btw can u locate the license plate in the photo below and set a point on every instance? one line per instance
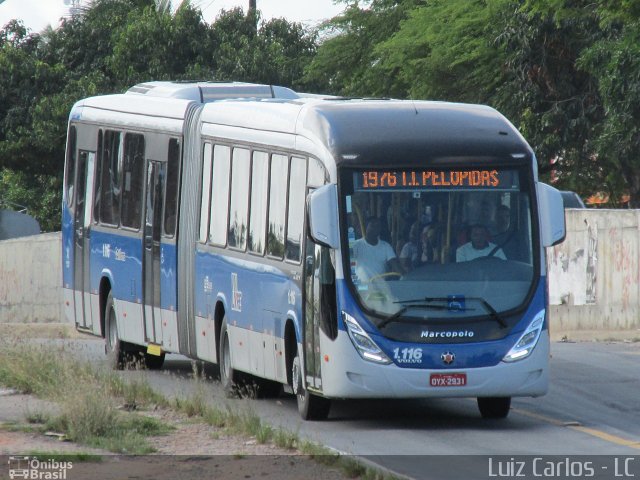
(448, 379)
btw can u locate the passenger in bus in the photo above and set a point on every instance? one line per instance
(409, 252)
(504, 233)
(430, 248)
(503, 222)
(479, 246)
(374, 257)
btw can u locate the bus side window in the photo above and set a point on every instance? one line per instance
(206, 192)
(71, 164)
(327, 284)
(277, 205)
(239, 207)
(133, 177)
(98, 180)
(110, 184)
(296, 208)
(317, 175)
(173, 181)
(259, 189)
(220, 195)
(321, 307)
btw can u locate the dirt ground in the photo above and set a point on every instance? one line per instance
(192, 450)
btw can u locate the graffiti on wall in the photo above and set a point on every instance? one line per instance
(624, 277)
(573, 269)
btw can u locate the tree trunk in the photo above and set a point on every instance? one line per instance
(252, 13)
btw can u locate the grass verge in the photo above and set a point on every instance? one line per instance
(243, 421)
(96, 408)
(94, 403)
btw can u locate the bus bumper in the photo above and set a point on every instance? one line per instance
(347, 375)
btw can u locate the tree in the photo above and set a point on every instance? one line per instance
(573, 75)
(447, 50)
(155, 44)
(108, 47)
(549, 97)
(348, 63)
(614, 62)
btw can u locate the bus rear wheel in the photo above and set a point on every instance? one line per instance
(494, 407)
(310, 406)
(229, 377)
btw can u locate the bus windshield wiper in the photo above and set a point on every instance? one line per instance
(395, 316)
(492, 311)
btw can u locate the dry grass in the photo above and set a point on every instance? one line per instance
(90, 398)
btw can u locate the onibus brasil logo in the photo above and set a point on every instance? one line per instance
(33, 468)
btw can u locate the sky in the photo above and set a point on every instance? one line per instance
(38, 14)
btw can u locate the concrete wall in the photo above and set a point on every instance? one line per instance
(594, 276)
(31, 279)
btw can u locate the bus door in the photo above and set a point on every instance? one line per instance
(151, 258)
(319, 309)
(82, 250)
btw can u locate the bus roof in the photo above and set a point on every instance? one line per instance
(172, 99)
(363, 131)
(204, 92)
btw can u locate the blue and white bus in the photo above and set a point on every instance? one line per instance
(339, 248)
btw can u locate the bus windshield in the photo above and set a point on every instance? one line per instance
(439, 244)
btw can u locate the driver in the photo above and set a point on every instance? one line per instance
(479, 246)
(373, 257)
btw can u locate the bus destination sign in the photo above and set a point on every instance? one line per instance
(436, 179)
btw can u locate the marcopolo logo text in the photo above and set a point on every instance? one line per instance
(447, 334)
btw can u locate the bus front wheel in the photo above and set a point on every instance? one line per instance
(494, 407)
(310, 406)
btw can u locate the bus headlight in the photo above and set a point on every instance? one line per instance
(528, 340)
(366, 347)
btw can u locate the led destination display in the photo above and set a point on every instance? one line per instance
(436, 179)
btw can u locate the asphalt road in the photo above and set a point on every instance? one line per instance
(593, 408)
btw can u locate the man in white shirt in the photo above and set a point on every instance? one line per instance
(479, 246)
(373, 257)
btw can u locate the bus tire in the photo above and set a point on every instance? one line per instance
(494, 407)
(229, 377)
(310, 406)
(117, 357)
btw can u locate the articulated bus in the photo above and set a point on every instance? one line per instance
(334, 248)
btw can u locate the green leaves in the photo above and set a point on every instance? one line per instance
(110, 46)
(566, 72)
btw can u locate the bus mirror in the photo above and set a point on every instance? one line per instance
(552, 222)
(323, 215)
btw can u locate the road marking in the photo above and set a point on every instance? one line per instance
(537, 416)
(574, 425)
(608, 437)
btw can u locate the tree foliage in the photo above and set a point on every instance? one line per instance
(110, 46)
(564, 71)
